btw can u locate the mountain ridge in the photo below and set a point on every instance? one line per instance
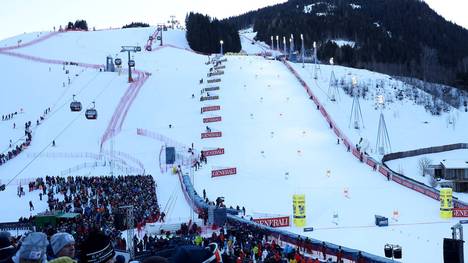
(398, 37)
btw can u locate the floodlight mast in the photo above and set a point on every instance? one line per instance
(277, 42)
(284, 46)
(129, 49)
(302, 50)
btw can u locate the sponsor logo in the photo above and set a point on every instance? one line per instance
(273, 222)
(209, 98)
(218, 151)
(212, 119)
(211, 108)
(211, 88)
(223, 172)
(211, 135)
(460, 212)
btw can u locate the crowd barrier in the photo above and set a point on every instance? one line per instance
(376, 165)
(66, 155)
(16, 226)
(162, 138)
(200, 206)
(118, 155)
(421, 151)
(126, 169)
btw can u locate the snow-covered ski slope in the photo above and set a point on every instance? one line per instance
(272, 134)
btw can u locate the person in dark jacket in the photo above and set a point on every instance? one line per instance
(7, 250)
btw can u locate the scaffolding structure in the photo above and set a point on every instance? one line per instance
(356, 114)
(333, 92)
(382, 145)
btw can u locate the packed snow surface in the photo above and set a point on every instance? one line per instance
(271, 132)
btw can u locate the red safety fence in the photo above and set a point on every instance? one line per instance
(30, 43)
(149, 43)
(120, 113)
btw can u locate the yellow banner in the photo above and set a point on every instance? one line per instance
(299, 213)
(446, 204)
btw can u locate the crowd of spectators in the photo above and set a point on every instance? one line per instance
(96, 200)
(236, 243)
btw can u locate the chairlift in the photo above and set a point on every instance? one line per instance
(75, 105)
(138, 49)
(91, 113)
(148, 48)
(131, 63)
(158, 37)
(118, 61)
(151, 38)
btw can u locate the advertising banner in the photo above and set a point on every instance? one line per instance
(210, 108)
(223, 172)
(282, 221)
(207, 135)
(299, 213)
(446, 204)
(212, 119)
(218, 151)
(460, 212)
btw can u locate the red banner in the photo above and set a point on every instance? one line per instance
(223, 172)
(206, 135)
(274, 221)
(218, 151)
(211, 108)
(212, 119)
(460, 212)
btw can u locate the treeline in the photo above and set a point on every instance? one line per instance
(399, 37)
(204, 34)
(136, 24)
(78, 25)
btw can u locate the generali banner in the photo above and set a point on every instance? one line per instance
(207, 135)
(212, 119)
(214, 80)
(211, 108)
(209, 98)
(218, 151)
(223, 172)
(460, 212)
(274, 221)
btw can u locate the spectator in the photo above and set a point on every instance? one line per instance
(33, 249)
(7, 250)
(119, 259)
(63, 245)
(155, 259)
(96, 248)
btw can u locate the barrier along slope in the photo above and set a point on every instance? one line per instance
(376, 165)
